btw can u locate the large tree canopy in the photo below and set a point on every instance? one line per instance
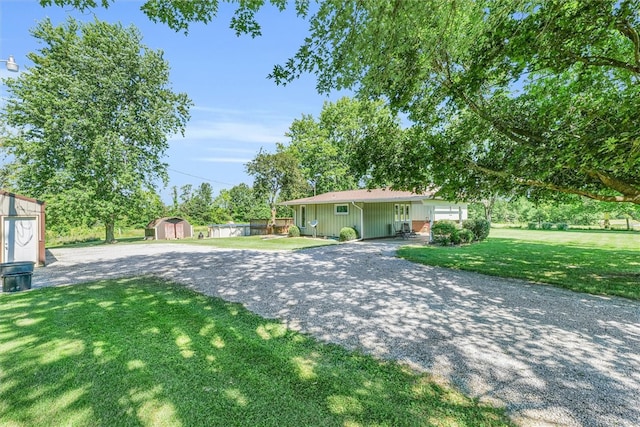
(534, 95)
(92, 118)
(537, 96)
(335, 150)
(276, 177)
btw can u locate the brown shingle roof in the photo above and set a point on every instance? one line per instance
(369, 196)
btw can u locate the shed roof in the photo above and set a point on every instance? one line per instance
(158, 221)
(21, 197)
(370, 196)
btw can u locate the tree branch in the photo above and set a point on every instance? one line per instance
(631, 194)
(628, 31)
(598, 61)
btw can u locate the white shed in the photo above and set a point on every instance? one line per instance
(22, 222)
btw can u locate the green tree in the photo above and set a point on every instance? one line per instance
(536, 96)
(241, 204)
(92, 115)
(276, 176)
(333, 150)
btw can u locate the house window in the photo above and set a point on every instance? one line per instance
(401, 213)
(341, 209)
(303, 216)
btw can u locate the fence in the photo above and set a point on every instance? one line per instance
(261, 227)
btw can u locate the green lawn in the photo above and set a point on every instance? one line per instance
(244, 242)
(142, 352)
(597, 262)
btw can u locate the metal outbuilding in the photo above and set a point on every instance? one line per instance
(168, 228)
(23, 229)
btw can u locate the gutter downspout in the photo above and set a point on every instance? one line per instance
(361, 221)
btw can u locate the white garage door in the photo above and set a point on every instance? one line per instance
(20, 239)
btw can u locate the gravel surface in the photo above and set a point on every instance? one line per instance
(550, 356)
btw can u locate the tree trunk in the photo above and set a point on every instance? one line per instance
(272, 224)
(488, 207)
(109, 232)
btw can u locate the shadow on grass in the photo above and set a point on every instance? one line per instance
(601, 271)
(146, 352)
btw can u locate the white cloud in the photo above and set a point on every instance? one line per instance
(233, 126)
(240, 131)
(223, 160)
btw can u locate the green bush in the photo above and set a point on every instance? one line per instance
(444, 232)
(465, 236)
(479, 227)
(348, 233)
(547, 226)
(294, 231)
(532, 225)
(563, 226)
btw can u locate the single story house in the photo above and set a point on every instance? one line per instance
(373, 213)
(23, 229)
(168, 228)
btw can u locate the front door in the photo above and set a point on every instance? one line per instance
(20, 239)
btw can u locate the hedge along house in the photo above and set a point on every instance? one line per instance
(23, 229)
(373, 213)
(168, 229)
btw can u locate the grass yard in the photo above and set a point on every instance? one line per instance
(244, 242)
(255, 242)
(596, 262)
(143, 352)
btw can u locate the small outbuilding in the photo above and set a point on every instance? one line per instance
(168, 228)
(23, 229)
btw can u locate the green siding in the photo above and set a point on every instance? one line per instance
(378, 217)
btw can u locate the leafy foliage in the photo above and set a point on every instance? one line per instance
(444, 232)
(92, 118)
(294, 231)
(465, 236)
(334, 150)
(534, 97)
(479, 227)
(576, 212)
(347, 234)
(276, 176)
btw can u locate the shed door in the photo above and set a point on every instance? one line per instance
(179, 230)
(169, 231)
(20, 239)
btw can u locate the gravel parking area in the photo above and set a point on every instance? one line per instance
(552, 357)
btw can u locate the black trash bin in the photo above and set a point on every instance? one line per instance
(16, 276)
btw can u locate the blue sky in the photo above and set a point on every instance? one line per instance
(237, 110)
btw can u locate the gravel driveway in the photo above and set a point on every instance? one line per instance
(552, 357)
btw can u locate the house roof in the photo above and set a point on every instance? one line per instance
(370, 196)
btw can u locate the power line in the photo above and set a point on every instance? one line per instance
(200, 177)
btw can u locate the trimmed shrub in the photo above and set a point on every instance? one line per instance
(532, 225)
(479, 227)
(563, 226)
(547, 225)
(294, 231)
(465, 236)
(348, 233)
(444, 232)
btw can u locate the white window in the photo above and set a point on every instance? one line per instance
(303, 216)
(341, 209)
(401, 213)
